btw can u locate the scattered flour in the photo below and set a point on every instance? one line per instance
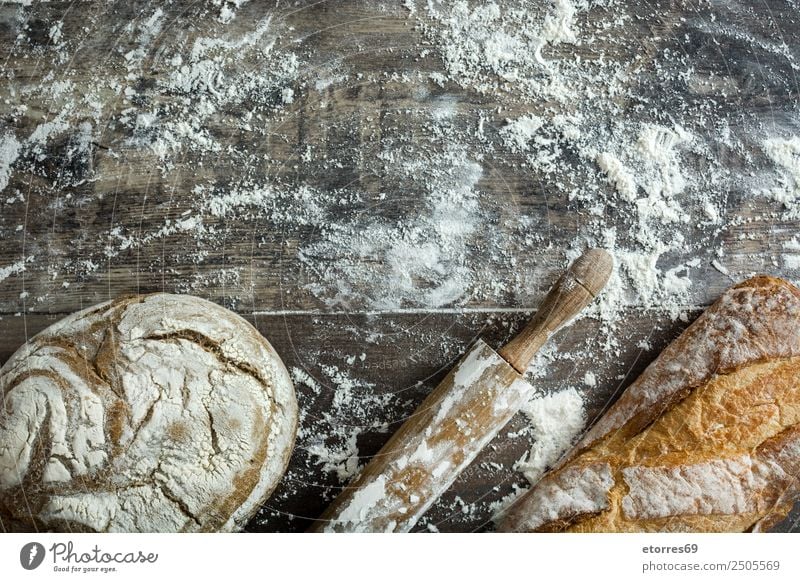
(519, 132)
(635, 176)
(331, 441)
(421, 258)
(489, 48)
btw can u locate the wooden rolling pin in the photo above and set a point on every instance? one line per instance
(453, 424)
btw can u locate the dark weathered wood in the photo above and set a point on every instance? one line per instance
(64, 207)
(122, 188)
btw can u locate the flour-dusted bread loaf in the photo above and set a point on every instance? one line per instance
(707, 439)
(148, 413)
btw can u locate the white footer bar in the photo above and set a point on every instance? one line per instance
(407, 558)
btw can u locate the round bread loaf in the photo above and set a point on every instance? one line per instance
(154, 413)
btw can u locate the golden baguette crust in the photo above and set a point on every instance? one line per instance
(706, 439)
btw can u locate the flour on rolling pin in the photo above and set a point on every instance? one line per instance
(395, 498)
(456, 421)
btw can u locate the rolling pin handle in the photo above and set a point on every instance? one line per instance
(573, 291)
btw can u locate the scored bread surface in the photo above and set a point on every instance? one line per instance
(706, 439)
(147, 413)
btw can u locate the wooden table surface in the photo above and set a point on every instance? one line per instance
(363, 83)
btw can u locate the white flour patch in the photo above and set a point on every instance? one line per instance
(785, 154)
(519, 132)
(618, 175)
(208, 81)
(512, 51)
(556, 421)
(13, 269)
(9, 151)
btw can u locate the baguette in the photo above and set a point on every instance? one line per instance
(707, 439)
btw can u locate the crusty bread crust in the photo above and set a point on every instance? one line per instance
(147, 413)
(706, 439)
